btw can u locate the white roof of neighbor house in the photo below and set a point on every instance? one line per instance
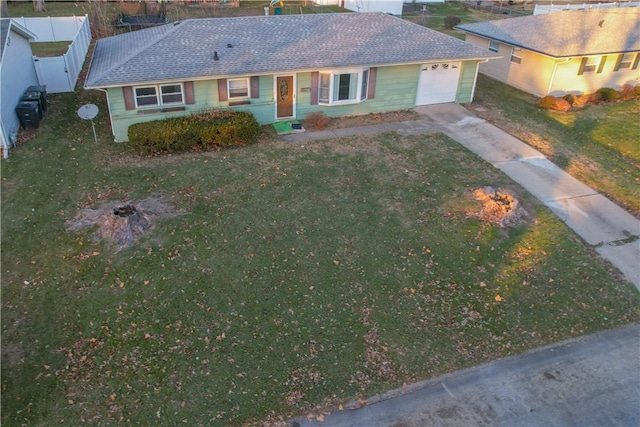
(567, 33)
(268, 44)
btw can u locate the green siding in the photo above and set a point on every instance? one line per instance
(467, 82)
(396, 89)
(206, 98)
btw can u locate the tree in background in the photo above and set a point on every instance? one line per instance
(39, 6)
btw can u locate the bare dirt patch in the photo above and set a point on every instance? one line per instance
(122, 224)
(499, 206)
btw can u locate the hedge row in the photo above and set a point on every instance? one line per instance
(605, 94)
(203, 131)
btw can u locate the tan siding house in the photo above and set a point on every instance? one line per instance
(564, 52)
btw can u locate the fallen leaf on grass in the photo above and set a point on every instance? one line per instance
(498, 298)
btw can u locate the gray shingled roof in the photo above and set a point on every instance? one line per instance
(567, 33)
(268, 44)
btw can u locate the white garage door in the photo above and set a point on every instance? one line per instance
(438, 83)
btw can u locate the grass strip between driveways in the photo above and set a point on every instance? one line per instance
(301, 276)
(598, 145)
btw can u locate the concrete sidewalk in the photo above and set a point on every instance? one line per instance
(586, 381)
(612, 231)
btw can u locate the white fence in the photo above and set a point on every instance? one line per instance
(542, 9)
(60, 73)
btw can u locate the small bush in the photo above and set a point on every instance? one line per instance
(571, 99)
(451, 21)
(576, 101)
(608, 94)
(628, 92)
(595, 97)
(317, 120)
(214, 129)
(553, 103)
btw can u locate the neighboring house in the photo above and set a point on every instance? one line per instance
(281, 67)
(564, 52)
(393, 7)
(17, 73)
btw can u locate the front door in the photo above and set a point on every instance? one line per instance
(284, 96)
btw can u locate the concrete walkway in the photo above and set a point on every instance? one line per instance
(612, 231)
(586, 381)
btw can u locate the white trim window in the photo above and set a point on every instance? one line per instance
(516, 56)
(147, 96)
(343, 87)
(238, 88)
(591, 64)
(626, 61)
(494, 46)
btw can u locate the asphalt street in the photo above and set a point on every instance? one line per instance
(587, 381)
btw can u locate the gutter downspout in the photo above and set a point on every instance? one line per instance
(553, 74)
(475, 78)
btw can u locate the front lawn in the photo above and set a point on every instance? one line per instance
(298, 276)
(597, 145)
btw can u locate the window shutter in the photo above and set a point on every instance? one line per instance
(222, 90)
(129, 101)
(371, 92)
(602, 61)
(188, 93)
(582, 65)
(618, 61)
(636, 61)
(315, 78)
(255, 86)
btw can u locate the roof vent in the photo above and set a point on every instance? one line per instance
(215, 55)
(229, 45)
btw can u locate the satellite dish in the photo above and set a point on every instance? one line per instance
(89, 112)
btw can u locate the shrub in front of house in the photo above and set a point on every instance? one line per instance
(553, 103)
(608, 94)
(628, 92)
(316, 120)
(210, 130)
(451, 21)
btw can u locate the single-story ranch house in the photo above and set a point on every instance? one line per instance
(281, 67)
(562, 52)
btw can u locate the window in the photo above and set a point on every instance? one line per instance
(626, 61)
(344, 87)
(515, 56)
(493, 46)
(590, 64)
(365, 85)
(171, 94)
(147, 96)
(238, 88)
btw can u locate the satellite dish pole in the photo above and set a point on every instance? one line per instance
(89, 112)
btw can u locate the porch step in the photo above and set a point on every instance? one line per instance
(287, 127)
